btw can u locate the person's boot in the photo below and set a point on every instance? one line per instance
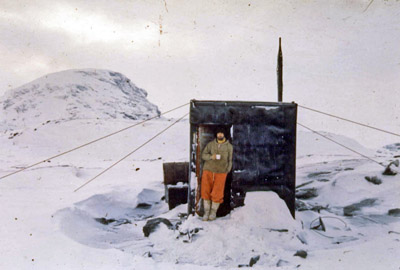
(207, 209)
(213, 212)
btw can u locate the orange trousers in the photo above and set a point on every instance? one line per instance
(212, 186)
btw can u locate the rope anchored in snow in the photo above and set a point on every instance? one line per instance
(131, 152)
(326, 137)
(91, 142)
(321, 225)
(351, 121)
(121, 130)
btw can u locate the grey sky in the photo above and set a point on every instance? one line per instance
(339, 56)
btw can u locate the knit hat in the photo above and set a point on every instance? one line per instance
(220, 130)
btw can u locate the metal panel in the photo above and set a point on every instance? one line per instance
(175, 172)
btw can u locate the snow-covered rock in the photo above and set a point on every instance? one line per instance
(74, 94)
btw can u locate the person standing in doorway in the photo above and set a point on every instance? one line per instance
(218, 163)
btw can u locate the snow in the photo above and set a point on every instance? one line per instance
(232, 240)
(74, 94)
(46, 225)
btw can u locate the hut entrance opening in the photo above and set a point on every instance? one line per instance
(207, 133)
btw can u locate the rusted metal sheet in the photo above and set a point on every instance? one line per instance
(175, 172)
(176, 195)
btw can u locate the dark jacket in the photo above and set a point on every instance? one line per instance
(223, 165)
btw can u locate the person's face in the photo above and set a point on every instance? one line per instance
(220, 136)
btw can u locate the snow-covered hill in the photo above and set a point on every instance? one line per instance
(74, 94)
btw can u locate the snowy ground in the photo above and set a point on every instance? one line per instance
(46, 225)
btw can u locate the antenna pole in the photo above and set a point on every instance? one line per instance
(279, 71)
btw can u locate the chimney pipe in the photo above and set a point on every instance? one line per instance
(279, 71)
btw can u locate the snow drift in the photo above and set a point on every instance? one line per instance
(45, 225)
(104, 220)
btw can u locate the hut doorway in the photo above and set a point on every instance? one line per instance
(206, 133)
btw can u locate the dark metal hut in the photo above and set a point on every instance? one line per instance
(263, 135)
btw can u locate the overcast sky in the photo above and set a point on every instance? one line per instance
(342, 57)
